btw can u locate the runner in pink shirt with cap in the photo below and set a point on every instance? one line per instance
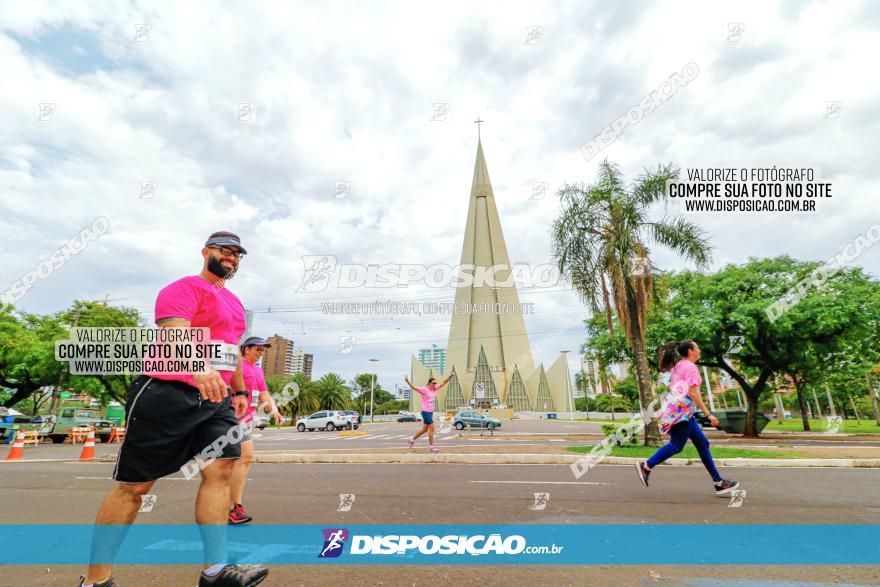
(172, 418)
(252, 351)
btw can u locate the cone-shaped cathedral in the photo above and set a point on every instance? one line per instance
(489, 352)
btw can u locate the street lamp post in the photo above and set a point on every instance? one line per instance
(372, 388)
(568, 387)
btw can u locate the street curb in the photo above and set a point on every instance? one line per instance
(97, 459)
(540, 459)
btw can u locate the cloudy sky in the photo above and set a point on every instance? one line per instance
(151, 94)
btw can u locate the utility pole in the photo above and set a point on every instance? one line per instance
(780, 408)
(372, 388)
(708, 389)
(816, 401)
(568, 387)
(584, 386)
(830, 402)
(873, 394)
(855, 410)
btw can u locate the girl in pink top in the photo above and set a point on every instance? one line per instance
(677, 414)
(428, 393)
(251, 351)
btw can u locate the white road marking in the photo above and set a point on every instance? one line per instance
(547, 482)
(162, 478)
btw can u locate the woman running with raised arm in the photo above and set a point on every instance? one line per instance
(677, 415)
(428, 393)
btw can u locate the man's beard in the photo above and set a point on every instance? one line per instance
(217, 269)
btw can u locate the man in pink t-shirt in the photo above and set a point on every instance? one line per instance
(252, 350)
(173, 417)
(429, 394)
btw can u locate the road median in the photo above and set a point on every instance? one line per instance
(534, 459)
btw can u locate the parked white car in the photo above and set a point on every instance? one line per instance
(326, 420)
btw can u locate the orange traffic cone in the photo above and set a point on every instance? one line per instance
(17, 451)
(88, 451)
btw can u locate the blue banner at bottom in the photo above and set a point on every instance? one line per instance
(298, 544)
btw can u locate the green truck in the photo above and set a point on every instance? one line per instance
(58, 426)
(69, 414)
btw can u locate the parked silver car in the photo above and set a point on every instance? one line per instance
(326, 420)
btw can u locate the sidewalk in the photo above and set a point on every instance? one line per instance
(711, 433)
(544, 454)
(485, 458)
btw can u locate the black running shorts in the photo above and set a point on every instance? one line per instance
(167, 425)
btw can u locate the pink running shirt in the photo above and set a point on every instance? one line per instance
(255, 383)
(205, 306)
(678, 405)
(428, 396)
(685, 370)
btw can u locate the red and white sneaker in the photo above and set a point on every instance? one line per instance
(237, 515)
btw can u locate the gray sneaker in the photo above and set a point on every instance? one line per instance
(108, 582)
(235, 576)
(644, 473)
(724, 488)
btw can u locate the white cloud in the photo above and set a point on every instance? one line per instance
(345, 91)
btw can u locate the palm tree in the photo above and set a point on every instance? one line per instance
(304, 402)
(600, 243)
(332, 392)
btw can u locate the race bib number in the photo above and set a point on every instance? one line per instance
(228, 359)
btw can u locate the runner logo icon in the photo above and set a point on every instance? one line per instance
(334, 541)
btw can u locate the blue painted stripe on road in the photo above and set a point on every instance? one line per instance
(624, 544)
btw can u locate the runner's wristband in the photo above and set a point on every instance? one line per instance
(238, 393)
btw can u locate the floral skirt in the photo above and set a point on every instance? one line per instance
(677, 407)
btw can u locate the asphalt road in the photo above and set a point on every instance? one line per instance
(448, 494)
(393, 434)
(378, 435)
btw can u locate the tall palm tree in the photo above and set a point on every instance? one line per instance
(332, 392)
(304, 402)
(600, 242)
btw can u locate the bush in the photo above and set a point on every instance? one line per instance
(610, 431)
(391, 407)
(584, 404)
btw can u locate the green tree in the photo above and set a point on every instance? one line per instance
(628, 390)
(27, 354)
(602, 346)
(304, 402)
(361, 392)
(600, 242)
(733, 302)
(92, 314)
(392, 407)
(605, 402)
(332, 392)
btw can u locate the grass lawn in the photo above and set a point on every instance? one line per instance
(868, 426)
(816, 425)
(690, 452)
